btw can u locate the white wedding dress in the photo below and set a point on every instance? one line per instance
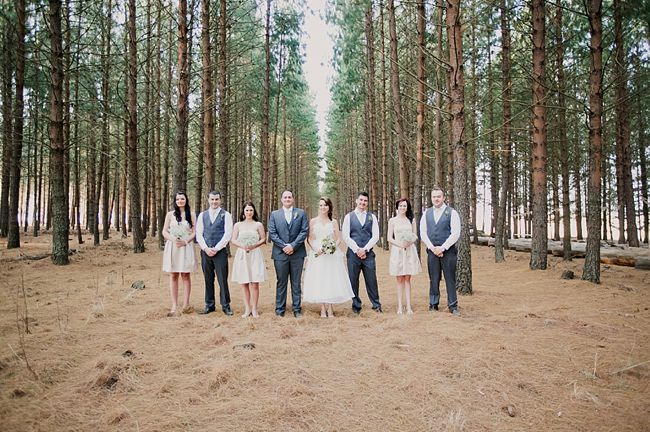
(326, 279)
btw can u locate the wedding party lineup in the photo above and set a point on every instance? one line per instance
(310, 246)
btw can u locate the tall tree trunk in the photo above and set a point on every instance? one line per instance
(106, 133)
(164, 193)
(182, 109)
(38, 148)
(207, 97)
(562, 136)
(539, 247)
(13, 235)
(471, 158)
(623, 129)
(591, 270)
(386, 207)
(224, 108)
(397, 103)
(457, 95)
(506, 146)
(642, 146)
(437, 131)
(91, 182)
(7, 78)
(421, 110)
(577, 176)
(31, 143)
(372, 107)
(264, 138)
(134, 183)
(38, 184)
(146, 135)
(57, 146)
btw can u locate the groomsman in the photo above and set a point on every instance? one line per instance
(288, 229)
(440, 230)
(360, 232)
(213, 232)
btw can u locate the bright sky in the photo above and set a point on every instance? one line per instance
(318, 68)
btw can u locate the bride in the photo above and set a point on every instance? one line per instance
(326, 280)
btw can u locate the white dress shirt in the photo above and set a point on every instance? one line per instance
(455, 227)
(227, 234)
(288, 214)
(345, 231)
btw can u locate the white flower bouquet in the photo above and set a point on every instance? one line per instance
(248, 238)
(328, 246)
(179, 231)
(405, 236)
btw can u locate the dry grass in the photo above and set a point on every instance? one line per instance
(531, 352)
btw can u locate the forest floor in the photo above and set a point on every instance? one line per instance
(531, 352)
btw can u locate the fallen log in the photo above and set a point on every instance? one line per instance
(642, 263)
(618, 260)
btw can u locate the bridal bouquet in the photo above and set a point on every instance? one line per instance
(405, 236)
(179, 231)
(248, 238)
(328, 246)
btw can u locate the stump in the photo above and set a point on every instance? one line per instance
(567, 274)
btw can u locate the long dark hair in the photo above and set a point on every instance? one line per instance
(328, 202)
(177, 210)
(242, 216)
(409, 208)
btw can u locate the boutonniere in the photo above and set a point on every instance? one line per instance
(295, 214)
(447, 212)
(220, 215)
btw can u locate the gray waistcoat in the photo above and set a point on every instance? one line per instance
(213, 232)
(439, 232)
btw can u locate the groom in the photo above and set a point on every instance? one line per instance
(213, 232)
(288, 229)
(360, 232)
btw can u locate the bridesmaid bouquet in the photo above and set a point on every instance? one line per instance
(178, 231)
(328, 246)
(406, 236)
(248, 238)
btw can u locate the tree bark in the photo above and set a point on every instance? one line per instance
(208, 98)
(539, 247)
(623, 132)
(385, 205)
(57, 146)
(642, 146)
(7, 78)
(437, 130)
(562, 136)
(182, 109)
(13, 234)
(457, 106)
(264, 138)
(106, 112)
(372, 107)
(224, 107)
(421, 110)
(397, 103)
(591, 270)
(134, 183)
(506, 146)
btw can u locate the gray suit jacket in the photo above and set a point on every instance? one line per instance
(294, 234)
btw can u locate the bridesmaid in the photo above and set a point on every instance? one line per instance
(248, 268)
(404, 261)
(178, 257)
